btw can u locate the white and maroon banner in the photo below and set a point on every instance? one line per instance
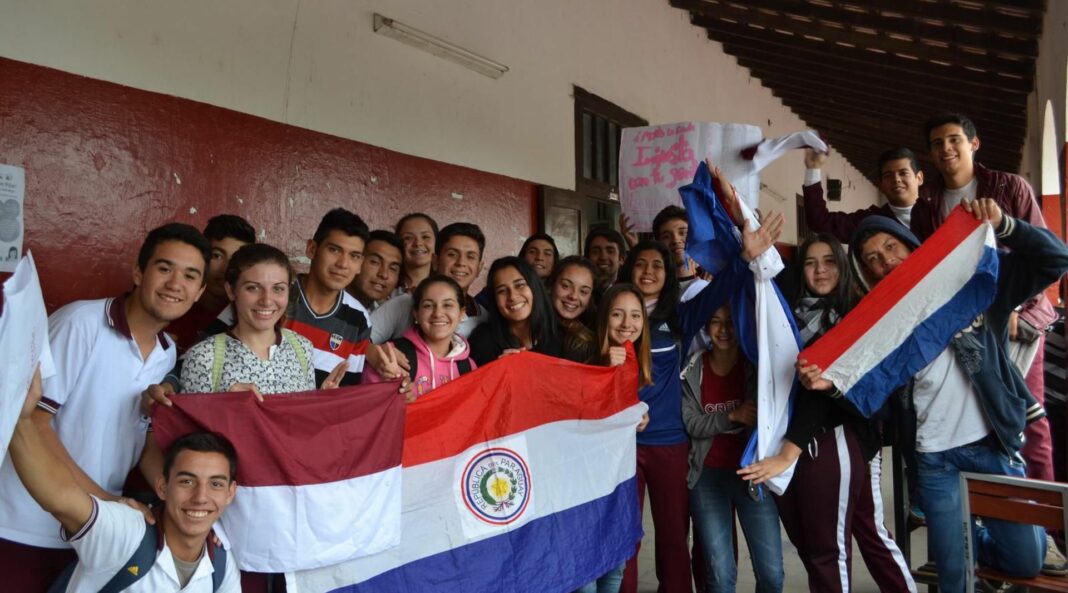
(319, 473)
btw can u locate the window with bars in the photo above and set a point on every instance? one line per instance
(598, 127)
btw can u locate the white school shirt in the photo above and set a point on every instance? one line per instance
(110, 537)
(95, 395)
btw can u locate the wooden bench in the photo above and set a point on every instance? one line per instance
(1018, 500)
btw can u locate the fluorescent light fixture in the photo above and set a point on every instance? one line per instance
(439, 47)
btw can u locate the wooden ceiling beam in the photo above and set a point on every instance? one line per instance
(857, 59)
(941, 13)
(1008, 14)
(832, 37)
(873, 76)
(918, 105)
(950, 32)
(998, 135)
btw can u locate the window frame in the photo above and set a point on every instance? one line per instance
(598, 107)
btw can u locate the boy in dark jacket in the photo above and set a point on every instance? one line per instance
(966, 410)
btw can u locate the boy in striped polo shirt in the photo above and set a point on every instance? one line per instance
(320, 308)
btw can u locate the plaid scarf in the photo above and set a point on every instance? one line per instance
(814, 317)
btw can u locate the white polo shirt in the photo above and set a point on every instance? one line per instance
(95, 396)
(110, 537)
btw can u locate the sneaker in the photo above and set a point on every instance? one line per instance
(1055, 563)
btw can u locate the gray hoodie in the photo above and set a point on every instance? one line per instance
(700, 426)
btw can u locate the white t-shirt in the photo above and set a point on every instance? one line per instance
(390, 320)
(952, 197)
(95, 396)
(948, 411)
(109, 539)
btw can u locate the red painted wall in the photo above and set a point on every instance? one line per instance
(1053, 213)
(106, 163)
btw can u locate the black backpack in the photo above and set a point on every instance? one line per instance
(142, 560)
(407, 348)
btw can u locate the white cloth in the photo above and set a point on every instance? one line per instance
(777, 350)
(772, 148)
(98, 383)
(812, 176)
(109, 539)
(948, 412)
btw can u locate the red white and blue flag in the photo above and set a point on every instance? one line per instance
(909, 318)
(319, 473)
(517, 477)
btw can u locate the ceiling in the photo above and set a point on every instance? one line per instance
(867, 73)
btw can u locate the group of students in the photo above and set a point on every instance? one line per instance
(220, 311)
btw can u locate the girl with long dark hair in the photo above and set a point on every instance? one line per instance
(521, 317)
(622, 319)
(571, 292)
(835, 494)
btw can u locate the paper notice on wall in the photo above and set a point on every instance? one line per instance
(655, 161)
(12, 190)
(23, 343)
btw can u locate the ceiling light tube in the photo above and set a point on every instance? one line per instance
(439, 47)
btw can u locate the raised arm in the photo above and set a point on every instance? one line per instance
(48, 480)
(817, 216)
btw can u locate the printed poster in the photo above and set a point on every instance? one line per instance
(12, 230)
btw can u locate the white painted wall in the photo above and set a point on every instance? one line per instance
(1050, 81)
(318, 65)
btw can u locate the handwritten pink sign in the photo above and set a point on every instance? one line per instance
(655, 161)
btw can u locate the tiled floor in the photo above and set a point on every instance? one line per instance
(796, 578)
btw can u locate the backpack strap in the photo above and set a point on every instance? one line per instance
(407, 348)
(138, 565)
(142, 560)
(464, 366)
(291, 337)
(218, 565)
(217, 361)
(60, 584)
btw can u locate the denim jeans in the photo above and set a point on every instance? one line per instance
(1011, 548)
(711, 500)
(609, 583)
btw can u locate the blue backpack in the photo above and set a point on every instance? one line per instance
(142, 560)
